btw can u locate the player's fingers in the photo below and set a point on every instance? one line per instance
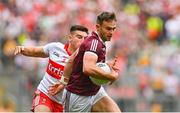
(61, 86)
(50, 92)
(115, 67)
(17, 50)
(114, 61)
(53, 92)
(110, 64)
(22, 48)
(51, 88)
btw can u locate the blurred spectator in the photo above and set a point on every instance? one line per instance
(171, 82)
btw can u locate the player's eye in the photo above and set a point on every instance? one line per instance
(109, 29)
(79, 37)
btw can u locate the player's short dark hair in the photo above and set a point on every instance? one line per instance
(105, 16)
(79, 28)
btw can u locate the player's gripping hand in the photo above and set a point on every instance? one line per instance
(114, 69)
(55, 89)
(113, 64)
(18, 50)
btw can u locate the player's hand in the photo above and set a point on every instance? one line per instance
(18, 49)
(114, 69)
(113, 64)
(115, 75)
(55, 89)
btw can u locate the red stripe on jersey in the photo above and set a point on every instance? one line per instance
(54, 69)
(66, 48)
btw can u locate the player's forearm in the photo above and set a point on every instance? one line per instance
(67, 72)
(69, 65)
(68, 69)
(96, 72)
(33, 52)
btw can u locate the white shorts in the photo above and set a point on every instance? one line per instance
(77, 103)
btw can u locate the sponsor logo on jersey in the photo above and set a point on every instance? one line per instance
(54, 69)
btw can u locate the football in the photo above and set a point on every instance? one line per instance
(99, 82)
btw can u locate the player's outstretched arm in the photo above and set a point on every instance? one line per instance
(30, 51)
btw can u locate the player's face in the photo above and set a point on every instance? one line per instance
(107, 29)
(76, 38)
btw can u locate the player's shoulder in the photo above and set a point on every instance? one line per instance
(90, 39)
(56, 44)
(92, 44)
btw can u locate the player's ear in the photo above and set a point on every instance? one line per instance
(97, 27)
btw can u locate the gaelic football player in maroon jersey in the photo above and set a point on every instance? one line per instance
(80, 94)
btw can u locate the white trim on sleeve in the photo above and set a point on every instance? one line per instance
(94, 44)
(89, 52)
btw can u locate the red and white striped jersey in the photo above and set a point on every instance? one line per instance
(58, 56)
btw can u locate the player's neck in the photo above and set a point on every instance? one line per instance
(100, 37)
(71, 49)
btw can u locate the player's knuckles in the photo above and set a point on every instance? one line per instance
(15, 49)
(18, 50)
(115, 68)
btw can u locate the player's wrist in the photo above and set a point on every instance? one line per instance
(64, 80)
(22, 49)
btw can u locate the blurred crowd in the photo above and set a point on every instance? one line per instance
(146, 42)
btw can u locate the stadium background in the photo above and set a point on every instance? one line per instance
(147, 41)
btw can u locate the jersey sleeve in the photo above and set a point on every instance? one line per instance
(93, 46)
(48, 47)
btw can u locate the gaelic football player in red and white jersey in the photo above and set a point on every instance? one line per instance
(58, 54)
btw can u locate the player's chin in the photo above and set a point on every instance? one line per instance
(108, 38)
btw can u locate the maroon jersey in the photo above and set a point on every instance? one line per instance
(79, 83)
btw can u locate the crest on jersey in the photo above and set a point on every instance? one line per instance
(56, 54)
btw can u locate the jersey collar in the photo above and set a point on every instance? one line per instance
(96, 34)
(66, 48)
